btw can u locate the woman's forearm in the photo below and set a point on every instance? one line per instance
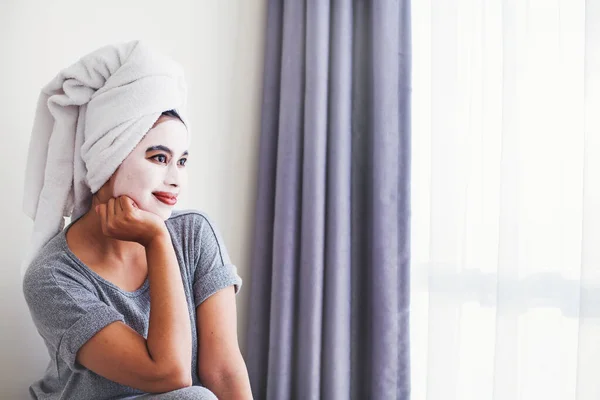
(169, 332)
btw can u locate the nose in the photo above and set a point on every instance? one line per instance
(173, 176)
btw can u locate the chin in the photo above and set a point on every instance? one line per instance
(163, 212)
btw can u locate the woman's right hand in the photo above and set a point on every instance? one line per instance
(122, 219)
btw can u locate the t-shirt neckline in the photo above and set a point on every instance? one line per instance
(95, 275)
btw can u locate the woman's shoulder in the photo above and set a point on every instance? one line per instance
(52, 255)
(189, 220)
(196, 229)
(51, 267)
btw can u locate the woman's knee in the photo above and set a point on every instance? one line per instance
(190, 393)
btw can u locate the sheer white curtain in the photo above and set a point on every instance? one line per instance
(505, 301)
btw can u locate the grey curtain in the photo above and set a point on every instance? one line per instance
(329, 290)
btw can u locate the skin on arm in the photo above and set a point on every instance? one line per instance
(221, 367)
(162, 362)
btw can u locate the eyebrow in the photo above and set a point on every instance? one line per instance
(165, 149)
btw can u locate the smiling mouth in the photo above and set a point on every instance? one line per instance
(166, 199)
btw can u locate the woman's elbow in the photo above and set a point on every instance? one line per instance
(217, 378)
(179, 378)
(175, 378)
(181, 381)
(231, 376)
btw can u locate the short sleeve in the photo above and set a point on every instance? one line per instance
(214, 270)
(65, 312)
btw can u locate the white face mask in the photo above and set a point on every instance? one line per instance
(150, 173)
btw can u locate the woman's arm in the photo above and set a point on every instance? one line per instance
(221, 367)
(169, 329)
(162, 362)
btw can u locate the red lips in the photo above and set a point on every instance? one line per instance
(166, 197)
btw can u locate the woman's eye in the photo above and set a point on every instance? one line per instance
(182, 161)
(161, 158)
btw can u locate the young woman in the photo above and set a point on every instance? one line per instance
(133, 299)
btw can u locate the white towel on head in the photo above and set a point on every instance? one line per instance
(88, 119)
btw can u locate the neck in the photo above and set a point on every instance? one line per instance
(119, 252)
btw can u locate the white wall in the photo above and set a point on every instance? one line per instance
(220, 45)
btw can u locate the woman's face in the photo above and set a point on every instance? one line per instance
(155, 173)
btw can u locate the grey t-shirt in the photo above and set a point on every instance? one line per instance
(70, 303)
